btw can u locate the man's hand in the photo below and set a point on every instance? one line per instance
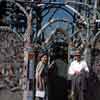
(51, 65)
(77, 73)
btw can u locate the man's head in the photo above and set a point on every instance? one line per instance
(77, 55)
(44, 58)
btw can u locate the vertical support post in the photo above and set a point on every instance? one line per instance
(25, 74)
(30, 75)
(28, 62)
(27, 95)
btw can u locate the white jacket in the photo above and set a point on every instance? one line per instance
(77, 67)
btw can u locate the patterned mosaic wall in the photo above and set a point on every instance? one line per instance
(11, 47)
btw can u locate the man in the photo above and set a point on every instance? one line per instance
(77, 65)
(57, 83)
(77, 71)
(40, 76)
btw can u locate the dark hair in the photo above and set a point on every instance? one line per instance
(43, 54)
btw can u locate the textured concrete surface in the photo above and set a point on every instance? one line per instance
(6, 94)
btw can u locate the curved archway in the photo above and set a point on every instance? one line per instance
(70, 10)
(95, 38)
(92, 10)
(14, 23)
(52, 4)
(53, 21)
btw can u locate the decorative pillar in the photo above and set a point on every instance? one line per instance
(29, 67)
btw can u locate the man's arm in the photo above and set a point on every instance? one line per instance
(86, 67)
(70, 70)
(51, 65)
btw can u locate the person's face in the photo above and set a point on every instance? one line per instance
(44, 59)
(77, 57)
